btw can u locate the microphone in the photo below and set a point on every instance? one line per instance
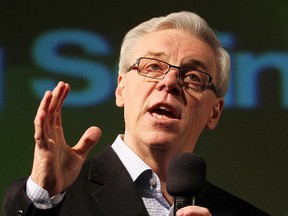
(186, 179)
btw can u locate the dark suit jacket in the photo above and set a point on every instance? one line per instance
(104, 187)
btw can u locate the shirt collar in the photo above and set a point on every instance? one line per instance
(132, 162)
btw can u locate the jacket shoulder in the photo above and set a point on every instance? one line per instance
(224, 203)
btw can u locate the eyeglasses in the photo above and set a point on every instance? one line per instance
(190, 78)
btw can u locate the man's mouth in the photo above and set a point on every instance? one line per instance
(164, 112)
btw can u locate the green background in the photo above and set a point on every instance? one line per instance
(246, 154)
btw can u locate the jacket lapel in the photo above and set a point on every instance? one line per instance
(116, 193)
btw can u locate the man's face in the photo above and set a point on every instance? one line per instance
(160, 114)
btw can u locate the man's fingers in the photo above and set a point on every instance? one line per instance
(57, 96)
(39, 129)
(87, 141)
(45, 103)
(39, 121)
(193, 210)
(61, 93)
(49, 113)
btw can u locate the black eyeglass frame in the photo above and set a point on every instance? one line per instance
(210, 85)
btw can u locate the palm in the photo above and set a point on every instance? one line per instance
(56, 165)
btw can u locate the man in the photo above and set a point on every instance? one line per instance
(173, 75)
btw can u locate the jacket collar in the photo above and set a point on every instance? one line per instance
(116, 191)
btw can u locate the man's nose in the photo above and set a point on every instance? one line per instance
(170, 82)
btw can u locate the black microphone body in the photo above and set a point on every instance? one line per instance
(186, 179)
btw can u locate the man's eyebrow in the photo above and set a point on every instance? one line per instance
(196, 63)
(189, 63)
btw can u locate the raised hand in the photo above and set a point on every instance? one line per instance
(56, 165)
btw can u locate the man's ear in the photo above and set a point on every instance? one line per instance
(215, 113)
(119, 90)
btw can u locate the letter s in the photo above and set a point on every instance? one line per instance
(100, 83)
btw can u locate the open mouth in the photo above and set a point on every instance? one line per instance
(163, 112)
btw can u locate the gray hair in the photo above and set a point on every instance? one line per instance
(189, 22)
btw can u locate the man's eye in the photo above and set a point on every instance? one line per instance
(154, 67)
(194, 77)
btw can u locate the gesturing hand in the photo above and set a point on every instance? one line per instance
(56, 165)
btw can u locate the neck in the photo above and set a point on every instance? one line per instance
(169, 198)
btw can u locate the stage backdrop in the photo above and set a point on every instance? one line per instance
(42, 42)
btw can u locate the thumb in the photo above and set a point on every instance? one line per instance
(87, 141)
